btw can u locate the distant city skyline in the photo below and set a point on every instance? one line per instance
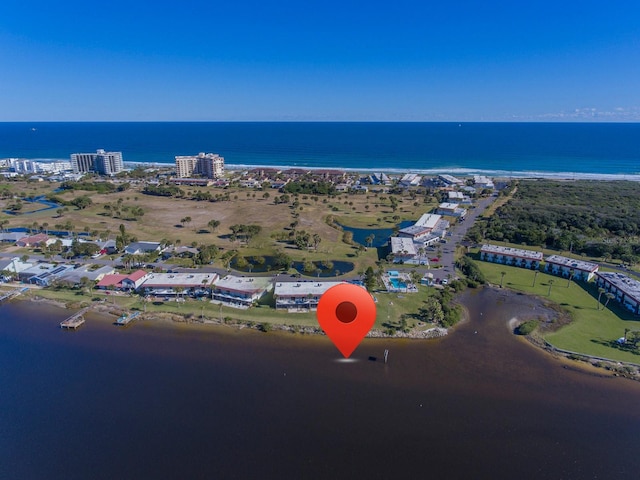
(319, 61)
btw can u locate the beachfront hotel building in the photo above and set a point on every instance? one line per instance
(516, 257)
(300, 296)
(241, 292)
(208, 165)
(101, 162)
(625, 289)
(564, 266)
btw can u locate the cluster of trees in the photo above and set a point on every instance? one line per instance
(99, 187)
(125, 212)
(163, 191)
(82, 202)
(600, 219)
(439, 309)
(471, 270)
(304, 240)
(310, 187)
(244, 232)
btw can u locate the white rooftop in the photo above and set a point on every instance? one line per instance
(629, 286)
(513, 252)
(188, 280)
(290, 289)
(572, 263)
(244, 284)
(402, 246)
(448, 206)
(428, 220)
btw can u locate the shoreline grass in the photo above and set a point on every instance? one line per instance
(592, 331)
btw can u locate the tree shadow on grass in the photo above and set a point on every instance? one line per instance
(623, 347)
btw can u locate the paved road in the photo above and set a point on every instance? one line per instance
(455, 235)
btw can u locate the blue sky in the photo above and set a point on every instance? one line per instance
(319, 60)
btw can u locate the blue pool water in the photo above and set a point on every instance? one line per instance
(397, 283)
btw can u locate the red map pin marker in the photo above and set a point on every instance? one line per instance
(346, 313)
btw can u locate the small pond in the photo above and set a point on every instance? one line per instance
(256, 265)
(381, 234)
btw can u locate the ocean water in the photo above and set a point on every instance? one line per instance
(581, 150)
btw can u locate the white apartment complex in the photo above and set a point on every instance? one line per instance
(209, 165)
(104, 163)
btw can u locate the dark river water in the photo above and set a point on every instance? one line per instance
(172, 401)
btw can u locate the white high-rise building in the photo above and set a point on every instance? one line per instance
(209, 165)
(104, 163)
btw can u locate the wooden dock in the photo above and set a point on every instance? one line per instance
(75, 320)
(125, 319)
(12, 294)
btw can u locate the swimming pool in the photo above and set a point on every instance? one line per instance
(397, 283)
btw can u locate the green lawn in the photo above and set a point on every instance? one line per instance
(389, 307)
(593, 331)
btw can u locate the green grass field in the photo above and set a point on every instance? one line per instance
(593, 331)
(389, 307)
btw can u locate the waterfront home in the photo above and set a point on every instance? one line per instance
(565, 267)
(511, 256)
(450, 180)
(74, 277)
(481, 181)
(134, 280)
(625, 289)
(410, 180)
(295, 173)
(300, 296)
(330, 175)
(111, 282)
(14, 265)
(177, 283)
(46, 273)
(241, 292)
(264, 172)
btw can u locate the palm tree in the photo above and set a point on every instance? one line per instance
(502, 274)
(370, 239)
(571, 274)
(550, 285)
(609, 296)
(600, 292)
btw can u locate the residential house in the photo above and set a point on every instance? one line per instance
(141, 248)
(36, 240)
(133, 281)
